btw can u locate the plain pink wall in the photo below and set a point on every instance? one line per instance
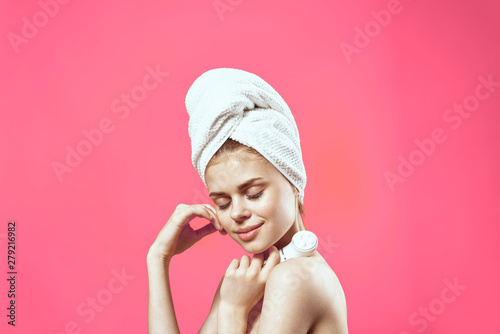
(362, 101)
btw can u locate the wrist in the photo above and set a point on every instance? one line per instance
(156, 257)
(230, 309)
(231, 319)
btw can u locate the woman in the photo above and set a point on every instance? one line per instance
(246, 149)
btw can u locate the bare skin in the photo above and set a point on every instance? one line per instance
(175, 237)
(300, 295)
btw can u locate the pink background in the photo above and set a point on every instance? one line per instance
(394, 248)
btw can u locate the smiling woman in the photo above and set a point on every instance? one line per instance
(231, 149)
(246, 149)
(252, 195)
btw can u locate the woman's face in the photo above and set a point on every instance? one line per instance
(255, 203)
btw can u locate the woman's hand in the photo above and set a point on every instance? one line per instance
(244, 282)
(177, 235)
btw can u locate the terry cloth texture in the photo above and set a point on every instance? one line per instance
(227, 103)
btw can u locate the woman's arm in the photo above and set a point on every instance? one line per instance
(280, 306)
(174, 238)
(232, 320)
(242, 288)
(210, 324)
(291, 299)
(299, 294)
(161, 313)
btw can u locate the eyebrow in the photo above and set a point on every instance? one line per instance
(240, 187)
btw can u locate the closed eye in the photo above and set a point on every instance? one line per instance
(223, 207)
(257, 195)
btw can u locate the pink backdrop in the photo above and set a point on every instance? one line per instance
(397, 104)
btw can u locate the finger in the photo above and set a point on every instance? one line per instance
(266, 253)
(194, 211)
(257, 260)
(272, 260)
(211, 216)
(210, 207)
(205, 230)
(233, 265)
(213, 213)
(244, 262)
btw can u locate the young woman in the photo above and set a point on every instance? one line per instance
(258, 203)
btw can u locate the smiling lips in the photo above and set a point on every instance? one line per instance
(248, 233)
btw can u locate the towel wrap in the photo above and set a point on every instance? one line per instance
(227, 103)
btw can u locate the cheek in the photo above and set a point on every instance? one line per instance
(226, 221)
(286, 210)
(278, 209)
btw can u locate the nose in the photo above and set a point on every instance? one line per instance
(239, 211)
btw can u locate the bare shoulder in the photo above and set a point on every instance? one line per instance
(306, 274)
(308, 286)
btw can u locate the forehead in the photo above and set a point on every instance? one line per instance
(233, 172)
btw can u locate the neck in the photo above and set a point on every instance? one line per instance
(287, 238)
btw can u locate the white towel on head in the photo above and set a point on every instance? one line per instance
(227, 103)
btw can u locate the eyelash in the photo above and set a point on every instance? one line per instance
(249, 197)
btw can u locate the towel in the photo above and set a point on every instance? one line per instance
(227, 103)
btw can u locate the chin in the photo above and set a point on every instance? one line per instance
(255, 247)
